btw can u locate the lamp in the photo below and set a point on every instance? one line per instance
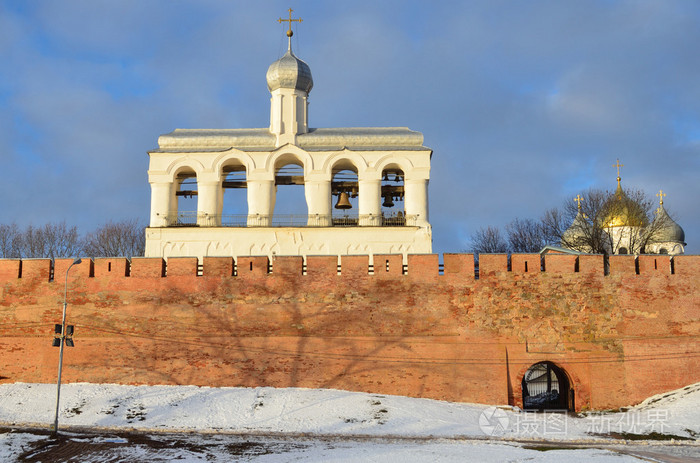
(62, 341)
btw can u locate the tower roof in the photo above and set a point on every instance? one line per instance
(620, 210)
(668, 230)
(289, 72)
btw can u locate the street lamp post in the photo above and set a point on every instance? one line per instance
(63, 341)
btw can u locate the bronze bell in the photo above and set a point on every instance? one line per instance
(388, 201)
(343, 201)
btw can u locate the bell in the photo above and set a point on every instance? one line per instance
(388, 201)
(343, 201)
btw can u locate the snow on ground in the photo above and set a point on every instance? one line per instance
(323, 412)
(326, 411)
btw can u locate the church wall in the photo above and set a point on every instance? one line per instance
(430, 332)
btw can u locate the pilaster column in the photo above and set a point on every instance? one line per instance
(208, 204)
(416, 202)
(318, 202)
(161, 193)
(261, 202)
(370, 208)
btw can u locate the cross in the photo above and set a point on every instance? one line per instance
(290, 21)
(618, 165)
(661, 195)
(578, 200)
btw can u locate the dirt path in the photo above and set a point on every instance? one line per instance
(113, 446)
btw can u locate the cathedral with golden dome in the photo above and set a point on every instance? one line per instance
(619, 224)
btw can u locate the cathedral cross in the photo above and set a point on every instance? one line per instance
(290, 21)
(661, 195)
(618, 165)
(578, 200)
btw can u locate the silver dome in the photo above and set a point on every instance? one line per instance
(668, 230)
(289, 72)
(576, 233)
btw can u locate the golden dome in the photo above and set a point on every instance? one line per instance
(621, 211)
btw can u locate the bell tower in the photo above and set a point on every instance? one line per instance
(377, 177)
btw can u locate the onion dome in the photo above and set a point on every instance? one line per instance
(622, 211)
(289, 72)
(666, 229)
(576, 233)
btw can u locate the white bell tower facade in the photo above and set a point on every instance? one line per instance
(383, 170)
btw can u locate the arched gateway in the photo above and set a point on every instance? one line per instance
(546, 387)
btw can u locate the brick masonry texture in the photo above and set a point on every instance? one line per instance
(423, 332)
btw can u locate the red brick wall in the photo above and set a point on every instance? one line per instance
(620, 337)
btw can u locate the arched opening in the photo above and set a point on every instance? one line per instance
(289, 208)
(663, 251)
(234, 191)
(546, 387)
(345, 195)
(185, 211)
(392, 196)
(622, 251)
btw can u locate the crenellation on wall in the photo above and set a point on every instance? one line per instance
(110, 267)
(560, 263)
(289, 266)
(217, 266)
(85, 269)
(423, 267)
(654, 264)
(36, 269)
(353, 267)
(459, 266)
(10, 269)
(147, 267)
(590, 265)
(623, 265)
(530, 264)
(388, 266)
(252, 266)
(492, 265)
(181, 267)
(321, 267)
(686, 265)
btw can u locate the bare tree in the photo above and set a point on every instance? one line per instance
(488, 240)
(577, 228)
(525, 235)
(50, 241)
(116, 239)
(605, 222)
(10, 241)
(602, 222)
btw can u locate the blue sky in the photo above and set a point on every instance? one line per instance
(525, 104)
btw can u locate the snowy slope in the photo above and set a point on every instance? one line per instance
(330, 412)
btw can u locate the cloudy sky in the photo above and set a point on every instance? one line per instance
(525, 104)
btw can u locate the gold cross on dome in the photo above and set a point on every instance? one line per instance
(618, 165)
(578, 200)
(290, 21)
(661, 195)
